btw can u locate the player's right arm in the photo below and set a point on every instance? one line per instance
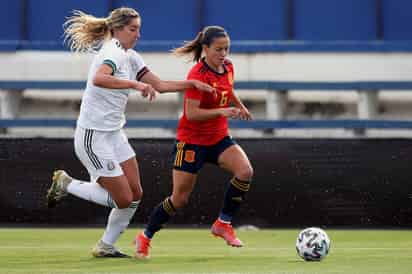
(104, 78)
(195, 113)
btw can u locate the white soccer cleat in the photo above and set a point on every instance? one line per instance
(103, 250)
(58, 188)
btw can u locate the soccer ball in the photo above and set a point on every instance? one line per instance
(312, 244)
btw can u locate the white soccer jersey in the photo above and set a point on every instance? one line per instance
(102, 108)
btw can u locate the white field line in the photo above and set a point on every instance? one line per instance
(75, 271)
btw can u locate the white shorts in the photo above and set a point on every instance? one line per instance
(101, 152)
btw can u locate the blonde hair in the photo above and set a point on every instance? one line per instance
(204, 37)
(84, 32)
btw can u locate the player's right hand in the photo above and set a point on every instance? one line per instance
(204, 87)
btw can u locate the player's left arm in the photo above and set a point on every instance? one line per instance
(174, 86)
(244, 112)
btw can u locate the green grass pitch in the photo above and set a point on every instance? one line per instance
(196, 251)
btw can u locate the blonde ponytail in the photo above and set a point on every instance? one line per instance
(84, 32)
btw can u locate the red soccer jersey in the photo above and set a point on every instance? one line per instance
(210, 131)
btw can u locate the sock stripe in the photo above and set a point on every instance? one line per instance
(241, 185)
(110, 201)
(134, 204)
(168, 207)
(242, 181)
(171, 205)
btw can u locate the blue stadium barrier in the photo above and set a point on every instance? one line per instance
(238, 46)
(237, 124)
(266, 85)
(372, 86)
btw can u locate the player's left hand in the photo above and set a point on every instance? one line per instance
(149, 92)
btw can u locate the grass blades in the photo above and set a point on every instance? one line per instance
(61, 251)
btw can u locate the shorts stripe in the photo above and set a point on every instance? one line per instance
(88, 147)
(179, 154)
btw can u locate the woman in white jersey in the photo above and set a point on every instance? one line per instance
(100, 143)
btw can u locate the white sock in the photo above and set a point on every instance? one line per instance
(118, 221)
(91, 192)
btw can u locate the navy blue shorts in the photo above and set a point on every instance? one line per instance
(190, 158)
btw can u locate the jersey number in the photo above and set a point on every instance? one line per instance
(224, 98)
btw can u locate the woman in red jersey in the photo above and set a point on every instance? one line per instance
(203, 137)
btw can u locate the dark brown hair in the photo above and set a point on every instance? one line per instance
(205, 37)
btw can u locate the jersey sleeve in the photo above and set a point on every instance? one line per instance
(113, 56)
(138, 65)
(231, 76)
(193, 93)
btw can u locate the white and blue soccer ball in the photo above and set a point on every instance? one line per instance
(312, 244)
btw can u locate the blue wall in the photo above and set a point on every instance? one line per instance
(335, 20)
(244, 21)
(33, 24)
(397, 17)
(11, 23)
(165, 20)
(45, 20)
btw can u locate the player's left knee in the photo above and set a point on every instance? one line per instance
(181, 202)
(124, 202)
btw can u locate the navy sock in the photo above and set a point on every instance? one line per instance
(160, 215)
(234, 196)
